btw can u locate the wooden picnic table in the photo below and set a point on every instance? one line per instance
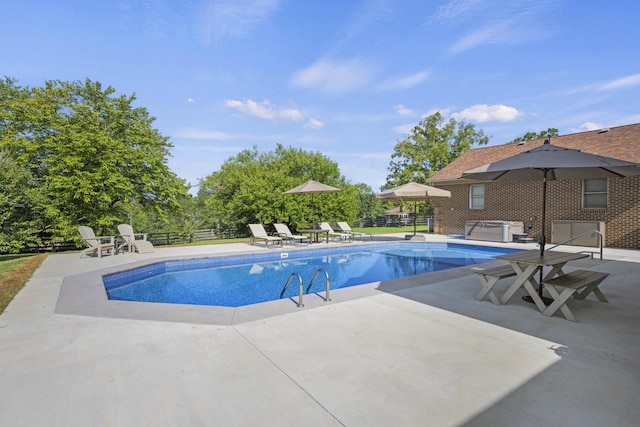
(527, 263)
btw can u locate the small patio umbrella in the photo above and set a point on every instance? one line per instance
(414, 192)
(312, 187)
(551, 162)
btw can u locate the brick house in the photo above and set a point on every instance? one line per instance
(612, 205)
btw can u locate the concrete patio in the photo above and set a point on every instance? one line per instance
(419, 351)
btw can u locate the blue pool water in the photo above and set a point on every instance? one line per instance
(235, 281)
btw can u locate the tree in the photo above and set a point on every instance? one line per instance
(249, 188)
(530, 136)
(91, 153)
(431, 146)
(369, 207)
(21, 203)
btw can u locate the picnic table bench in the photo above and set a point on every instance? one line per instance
(579, 284)
(489, 277)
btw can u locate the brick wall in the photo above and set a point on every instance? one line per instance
(522, 201)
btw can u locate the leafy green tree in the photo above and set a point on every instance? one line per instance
(530, 136)
(179, 223)
(91, 153)
(249, 188)
(369, 207)
(21, 203)
(431, 146)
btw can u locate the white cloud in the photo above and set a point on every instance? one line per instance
(619, 83)
(405, 82)
(628, 81)
(264, 110)
(454, 10)
(404, 129)
(314, 124)
(198, 134)
(590, 126)
(201, 134)
(495, 33)
(190, 100)
(488, 113)
(333, 77)
(600, 120)
(157, 17)
(444, 112)
(517, 22)
(220, 18)
(404, 111)
(370, 14)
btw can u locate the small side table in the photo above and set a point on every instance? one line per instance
(315, 232)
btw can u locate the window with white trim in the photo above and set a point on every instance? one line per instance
(594, 193)
(476, 196)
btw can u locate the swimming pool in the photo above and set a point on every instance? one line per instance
(236, 281)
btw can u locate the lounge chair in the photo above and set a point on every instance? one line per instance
(284, 232)
(129, 239)
(343, 237)
(259, 233)
(345, 228)
(97, 244)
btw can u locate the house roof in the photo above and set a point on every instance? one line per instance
(622, 142)
(396, 211)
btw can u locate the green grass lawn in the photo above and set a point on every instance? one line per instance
(15, 271)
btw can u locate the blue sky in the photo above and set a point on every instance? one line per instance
(346, 78)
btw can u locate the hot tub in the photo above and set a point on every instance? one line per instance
(492, 230)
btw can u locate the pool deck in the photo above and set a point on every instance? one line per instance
(418, 351)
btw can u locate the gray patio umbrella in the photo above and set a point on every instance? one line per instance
(414, 192)
(550, 162)
(311, 187)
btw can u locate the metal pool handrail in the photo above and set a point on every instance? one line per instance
(286, 285)
(315, 276)
(327, 282)
(600, 241)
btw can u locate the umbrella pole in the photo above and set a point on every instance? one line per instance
(542, 241)
(415, 206)
(313, 213)
(543, 238)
